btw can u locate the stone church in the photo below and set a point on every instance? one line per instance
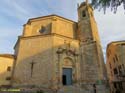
(54, 52)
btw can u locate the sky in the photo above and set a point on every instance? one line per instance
(15, 13)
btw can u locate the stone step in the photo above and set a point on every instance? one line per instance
(72, 89)
(76, 89)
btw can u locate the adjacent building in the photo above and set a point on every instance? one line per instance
(6, 64)
(116, 66)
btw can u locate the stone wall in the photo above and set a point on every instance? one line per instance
(36, 50)
(66, 44)
(5, 69)
(52, 24)
(42, 50)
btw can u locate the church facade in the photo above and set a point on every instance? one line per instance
(54, 51)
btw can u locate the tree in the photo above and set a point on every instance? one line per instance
(104, 4)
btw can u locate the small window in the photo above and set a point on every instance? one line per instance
(115, 85)
(115, 71)
(8, 68)
(123, 66)
(120, 85)
(8, 78)
(83, 13)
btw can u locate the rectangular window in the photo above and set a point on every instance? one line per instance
(115, 86)
(115, 71)
(120, 85)
(8, 78)
(8, 68)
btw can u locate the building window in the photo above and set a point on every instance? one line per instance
(115, 85)
(115, 71)
(123, 66)
(83, 13)
(120, 85)
(43, 29)
(8, 78)
(8, 68)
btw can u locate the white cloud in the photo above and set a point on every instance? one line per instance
(111, 26)
(8, 38)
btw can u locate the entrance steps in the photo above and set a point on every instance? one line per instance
(72, 89)
(84, 89)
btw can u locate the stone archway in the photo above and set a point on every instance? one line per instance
(68, 62)
(67, 71)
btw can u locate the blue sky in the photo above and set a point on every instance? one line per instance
(15, 13)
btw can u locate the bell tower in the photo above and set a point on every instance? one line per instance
(92, 62)
(87, 28)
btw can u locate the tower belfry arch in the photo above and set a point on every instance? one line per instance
(89, 40)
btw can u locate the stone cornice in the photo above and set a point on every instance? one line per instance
(36, 36)
(49, 16)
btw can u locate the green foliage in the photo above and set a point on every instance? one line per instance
(103, 4)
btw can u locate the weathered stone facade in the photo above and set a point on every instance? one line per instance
(52, 46)
(6, 64)
(116, 66)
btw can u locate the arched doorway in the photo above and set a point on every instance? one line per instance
(67, 72)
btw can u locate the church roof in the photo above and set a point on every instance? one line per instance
(7, 55)
(32, 19)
